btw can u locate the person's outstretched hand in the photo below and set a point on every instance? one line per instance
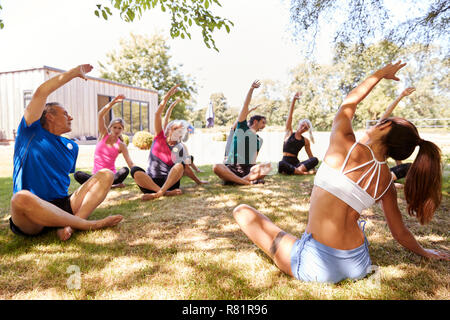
(256, 84)
(408, 91)
(83, 69)
(390, 70)
(436, 254)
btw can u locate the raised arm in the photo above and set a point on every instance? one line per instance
(244, 111)
(291, 112)
(162, 105)
(342, 121)
(400, 232)
(249, 111)
(102, 128)
(392, 106)
(169, 112)
(33, 111)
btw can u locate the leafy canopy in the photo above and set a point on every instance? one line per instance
(183, 13)
(402, 22)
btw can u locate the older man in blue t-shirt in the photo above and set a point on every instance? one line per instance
(43, 160)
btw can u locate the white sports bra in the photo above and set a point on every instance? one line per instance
(337, 183)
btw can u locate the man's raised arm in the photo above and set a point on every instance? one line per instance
(34, 110)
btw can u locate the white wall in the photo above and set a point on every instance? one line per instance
(78, 96)
(12, 87)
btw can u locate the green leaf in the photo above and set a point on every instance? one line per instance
(105, 16)
(96, 13)
(228, 28)
(130, 14)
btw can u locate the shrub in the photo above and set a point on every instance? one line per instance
(125, 139)
(220, 137)
(143, 140)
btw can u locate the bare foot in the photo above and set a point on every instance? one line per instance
(399, 185)
(110, 221)
(119, 185)
(175, 192)
(64, 233)
(152, 196)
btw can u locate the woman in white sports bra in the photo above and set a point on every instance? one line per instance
(351, 178)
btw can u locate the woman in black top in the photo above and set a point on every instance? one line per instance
(293, 143)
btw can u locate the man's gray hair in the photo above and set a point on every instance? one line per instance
(49, 108)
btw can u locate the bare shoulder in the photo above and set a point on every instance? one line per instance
(338, 149)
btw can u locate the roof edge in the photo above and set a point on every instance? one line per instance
(89, 77)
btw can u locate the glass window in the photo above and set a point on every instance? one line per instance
(117, 111)
(135, 116)
(27, 95)
(127, 115)
(144, 116)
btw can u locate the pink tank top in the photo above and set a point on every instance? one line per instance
(105, 156)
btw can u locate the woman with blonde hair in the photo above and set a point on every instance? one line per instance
(352, 177)
(109, 146)
(294, 142)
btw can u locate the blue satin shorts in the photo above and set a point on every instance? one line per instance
(314, 261)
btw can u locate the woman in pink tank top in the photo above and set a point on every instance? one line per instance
(109, 147)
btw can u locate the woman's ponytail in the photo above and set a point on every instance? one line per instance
(424, 182)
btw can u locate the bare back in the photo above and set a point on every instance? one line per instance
(332, 221)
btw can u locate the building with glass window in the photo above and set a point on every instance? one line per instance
(82, 99)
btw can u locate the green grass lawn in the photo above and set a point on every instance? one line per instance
(189, 247)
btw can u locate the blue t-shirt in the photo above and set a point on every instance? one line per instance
(43, 161)
(244, 147)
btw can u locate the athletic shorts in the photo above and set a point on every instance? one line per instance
(241, 170)
(159, 181)
(62, 203)
(316, 262)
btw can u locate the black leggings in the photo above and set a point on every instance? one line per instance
(288, 165)
(119, 176)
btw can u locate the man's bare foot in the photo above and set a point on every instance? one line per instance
(64, 233)
(119, 185)
(152, 196)
(399, 185)
(110, 221)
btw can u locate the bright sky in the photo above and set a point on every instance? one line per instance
(63, 34)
